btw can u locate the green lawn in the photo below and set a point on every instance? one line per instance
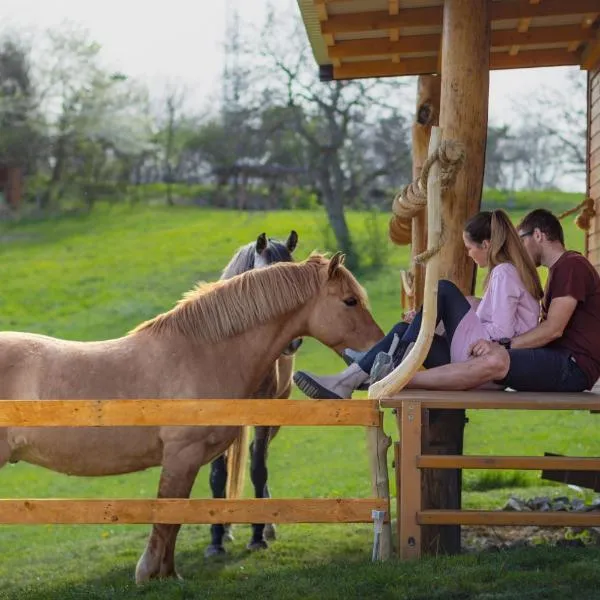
(96, 276)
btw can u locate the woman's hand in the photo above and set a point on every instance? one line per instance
(409, 316)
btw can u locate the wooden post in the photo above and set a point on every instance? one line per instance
(427, 115)
(378, 444)
(409, 424)
(463, 117)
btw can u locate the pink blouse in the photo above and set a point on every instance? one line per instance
(506, 310)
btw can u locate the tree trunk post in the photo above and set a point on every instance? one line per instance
(427, 115)
(463, 117)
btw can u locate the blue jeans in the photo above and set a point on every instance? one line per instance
(544, 370)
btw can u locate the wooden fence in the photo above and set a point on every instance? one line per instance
(412, 410)
(187, 412)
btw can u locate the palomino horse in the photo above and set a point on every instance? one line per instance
(229, 468)
(220, 341)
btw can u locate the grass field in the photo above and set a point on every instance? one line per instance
(95, 277)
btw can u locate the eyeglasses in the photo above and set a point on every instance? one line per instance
(525, 234)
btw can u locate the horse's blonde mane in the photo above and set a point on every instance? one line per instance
(214, 311)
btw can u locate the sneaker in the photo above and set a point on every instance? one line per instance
(350, 356)
(382, 367)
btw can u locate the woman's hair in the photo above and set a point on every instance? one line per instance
(505, 247)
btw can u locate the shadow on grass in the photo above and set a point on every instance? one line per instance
(533, 573)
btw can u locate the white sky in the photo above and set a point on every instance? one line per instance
(181, 41)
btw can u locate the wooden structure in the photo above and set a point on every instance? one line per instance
(412, 412)
(452, 45)
(129, 413)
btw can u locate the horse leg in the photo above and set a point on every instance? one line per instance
(179, 469)
(259, 474)
(5, 449)
(218, 484)
(270, 531)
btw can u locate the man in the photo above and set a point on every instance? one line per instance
(561, 354)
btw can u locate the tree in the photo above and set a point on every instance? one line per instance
(333, 118)
(553, 130)
(95, 116)
(21, 125)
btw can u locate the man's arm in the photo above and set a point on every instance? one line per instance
(559, 313)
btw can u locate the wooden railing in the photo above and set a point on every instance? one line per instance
(412, 413)
(186, 412)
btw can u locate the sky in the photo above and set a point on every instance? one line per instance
(181, 41)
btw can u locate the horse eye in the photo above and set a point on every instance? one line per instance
(351, 301)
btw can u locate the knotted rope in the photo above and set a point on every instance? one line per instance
(584, 218)
(413, 197)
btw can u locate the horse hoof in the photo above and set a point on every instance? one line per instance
(269, 532)
(212, 551)
(255, 546)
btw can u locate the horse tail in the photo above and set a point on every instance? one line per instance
(237, 457)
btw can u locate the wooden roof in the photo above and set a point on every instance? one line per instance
(378, 38)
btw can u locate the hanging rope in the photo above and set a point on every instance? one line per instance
(413, 197)
(584, 218)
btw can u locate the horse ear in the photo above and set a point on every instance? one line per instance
(292, 241)
(337, 260)
(261, 243)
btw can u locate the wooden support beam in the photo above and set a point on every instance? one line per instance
(525, 463)
(432, 16)
(409, 425)
(429, 64)
(153, 413)
(493, 518)
(590, 57)
(431, 43)
(393, 9)
(427, 115)
(188, 511)
(498, 400)
(463, 117)
(329, 38)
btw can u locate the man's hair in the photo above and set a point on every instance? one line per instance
(546, 222)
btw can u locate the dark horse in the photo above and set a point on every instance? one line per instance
(255, 255)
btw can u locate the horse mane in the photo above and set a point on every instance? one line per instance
(214, 311)
(241, 261)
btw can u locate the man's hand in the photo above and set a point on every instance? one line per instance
(482, 347)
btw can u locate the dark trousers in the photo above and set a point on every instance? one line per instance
(451, 310)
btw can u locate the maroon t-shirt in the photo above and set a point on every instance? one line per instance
(573, 275)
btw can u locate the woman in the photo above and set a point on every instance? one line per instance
(509, 307)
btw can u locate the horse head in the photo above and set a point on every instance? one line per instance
(341, 317)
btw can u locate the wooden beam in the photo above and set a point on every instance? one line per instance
(188, 511)
(409, 424)
(321, 9)
(152, 413)
(427, 114)
(432, 16)
(521, 463)
(532, 59)
(385, 68)
(429, 64)
(493, 518)
(497, 400)
(590, 57)
(431, 43)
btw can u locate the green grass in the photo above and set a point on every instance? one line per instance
(95, 277)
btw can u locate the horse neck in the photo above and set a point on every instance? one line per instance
(255, 351)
